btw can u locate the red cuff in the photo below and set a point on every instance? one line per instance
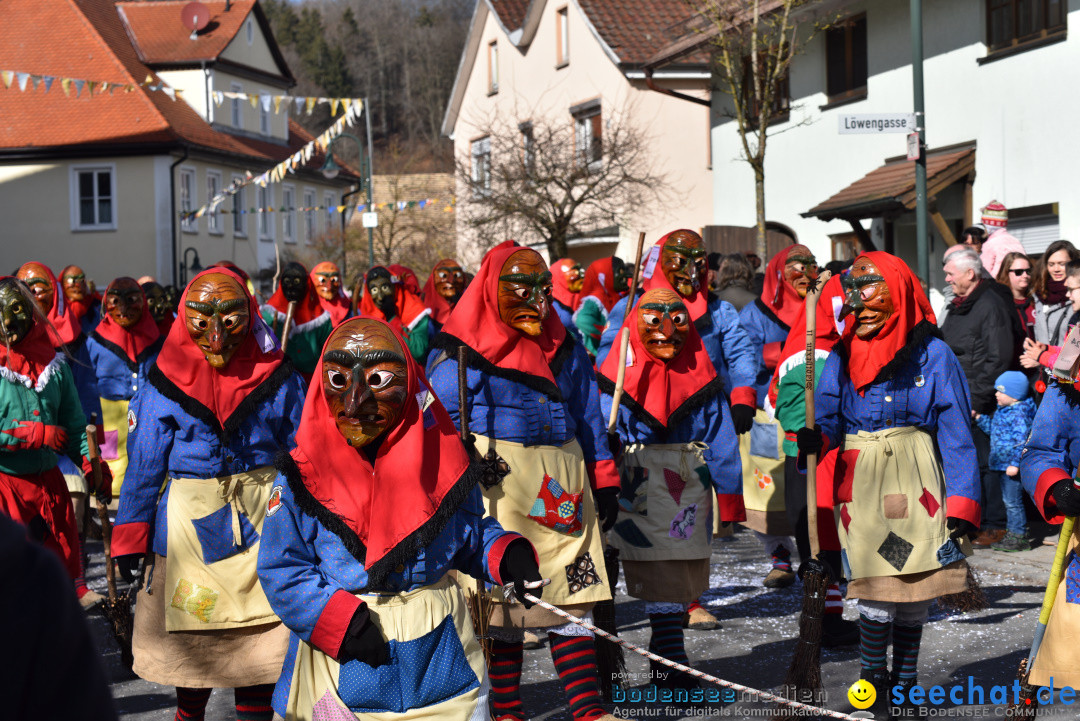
(965, 508)
(1044, 500)
(744, 396)
(1049, 356)
(603, 474)
(731, 506)
(771, 355)
(129, 538)
(330, 629)
(498, 549)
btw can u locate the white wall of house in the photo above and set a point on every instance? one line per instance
(533, 85)
(1020, 110)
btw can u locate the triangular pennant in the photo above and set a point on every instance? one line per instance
(90, 88)
(78, 86)
(47, 81)
(35, 81)
(169, 91)
(219, 98)
(7, 77)
(299, 104)
(265, 100)
(65, 84)
(149, 79)
(333, 106)
(277, 103)
(22, 78)
(254, 100)
(309, 103)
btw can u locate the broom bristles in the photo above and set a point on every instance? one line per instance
(1028, 703)
(803, 681)
(973, 598)
(122, 622)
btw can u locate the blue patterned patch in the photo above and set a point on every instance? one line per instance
(566, 509)
(1072, 578)
(538, 508)
(215, 534)
(421, 672)
(949, 552)
(555, 489)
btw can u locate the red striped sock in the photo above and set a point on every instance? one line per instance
(834, 602)
(253, 702)
(575, 662)
(693, 605)
(191, 703)
(505, 676)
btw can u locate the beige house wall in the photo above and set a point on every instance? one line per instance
(254, 54)
(532, 87)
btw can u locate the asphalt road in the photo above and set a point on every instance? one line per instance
(753, 648)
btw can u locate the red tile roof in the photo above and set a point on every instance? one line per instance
(892, 186)
(638, 29)
(159, 36)
(86, 39)
(511, 13)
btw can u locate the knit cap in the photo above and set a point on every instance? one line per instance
(1013, 384)
(994, 216)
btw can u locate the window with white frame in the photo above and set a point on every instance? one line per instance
(239, 217)
(93, 197)
(288, 211)
(213, 217)
(588, 132)
(265, 200)
(481, 166)
(264, 115)
(237, 111)
(331, 206)
(187, 200)
(309, 216)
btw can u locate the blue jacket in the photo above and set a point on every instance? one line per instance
(567, 317)
(929, 392)
(767, 335)
(309, 576)
(512, 411)
(117, 377)
(1008, 429)
(1052, 452)
(725, 340)
(173, 439)
(82, 370)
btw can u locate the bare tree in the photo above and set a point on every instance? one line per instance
(754, 43)
(553, 181)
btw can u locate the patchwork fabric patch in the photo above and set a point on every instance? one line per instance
(929, 502)
(493, 469)
(328, 709)
(1072, 578)
(682, 526)
(274, 504)
(949, 552)
(894, 505)
(632, 534)
(194, 599)
(895, 550)
(109, 447)
(764, 480)
(845, 517)
(704, 475)
(132, 422)
(581, 573)
(634, 494)
(556, 509)
(675, 484)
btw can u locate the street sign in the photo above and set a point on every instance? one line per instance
(877, 123)
(370, 220)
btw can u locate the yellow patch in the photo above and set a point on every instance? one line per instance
(194, 599)
(764, 480)
(862, 694)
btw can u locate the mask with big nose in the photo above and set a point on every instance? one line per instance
(364, 380)
(868, 298)
(124, 302)
(217, 317)
(525, 292)
(328, 280)
(37, 280)
(663, 323)
(684, 262)
(16, 312)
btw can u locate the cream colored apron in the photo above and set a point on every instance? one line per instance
(546, 498)
(894, 524)
(216, 516)
(436, 668)
(114, 419)
(762, 453)
(1059, 655)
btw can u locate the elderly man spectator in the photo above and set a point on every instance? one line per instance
(980, 329)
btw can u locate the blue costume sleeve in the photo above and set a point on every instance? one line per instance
(958, 458)
(1052, 452)
(742, 361)
(584, 406)
(149, 444)
(827, 400)
(616, 316)
(482, 545)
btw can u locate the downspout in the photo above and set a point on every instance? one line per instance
(172, 206)
(673, 93)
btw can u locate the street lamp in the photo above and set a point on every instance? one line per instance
(331, 170)
(195, 266)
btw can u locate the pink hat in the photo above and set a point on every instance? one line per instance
(995, 215)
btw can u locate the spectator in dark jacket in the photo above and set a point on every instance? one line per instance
(735, 280)
(981, 328)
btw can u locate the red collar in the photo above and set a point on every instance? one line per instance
(220, 391)
(386, 511)
(409, 307)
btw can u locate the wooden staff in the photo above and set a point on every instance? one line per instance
(811, 458)
(624, 339)
(463, 390)
(287, 326)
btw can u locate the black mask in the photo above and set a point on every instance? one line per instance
(16, 312)
(294, 280)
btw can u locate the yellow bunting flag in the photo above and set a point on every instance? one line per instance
(277, 103)
(65, 83)
(7, 76)
(309, 104)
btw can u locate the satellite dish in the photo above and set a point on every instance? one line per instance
(195, 17)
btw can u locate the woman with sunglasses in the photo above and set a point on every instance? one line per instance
(1015, 274)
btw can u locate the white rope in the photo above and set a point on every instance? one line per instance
(508, 591)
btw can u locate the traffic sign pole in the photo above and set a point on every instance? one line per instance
(920, 121)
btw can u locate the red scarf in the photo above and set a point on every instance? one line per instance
(440, 307)
(866, 358)
(220, 390)
(401, 503)
(338, 308)
(401, 275)
(476, 323)
(61, 315)
(132, 341)
(561, 291)
(30, 356)
(697, 303)
(779, 295)
(660, 388)
(600, 284)
(307, 310)
(826, 333)
(409, 306)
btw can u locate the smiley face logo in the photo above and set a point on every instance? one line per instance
(862, 694)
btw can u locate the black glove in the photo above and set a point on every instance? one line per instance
(128, 566)
(363, 641)
(810, 440)
(742, 417)
(607, 507)
(958, 527)
(615, 445)
(519, 565)
(1067, 497)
